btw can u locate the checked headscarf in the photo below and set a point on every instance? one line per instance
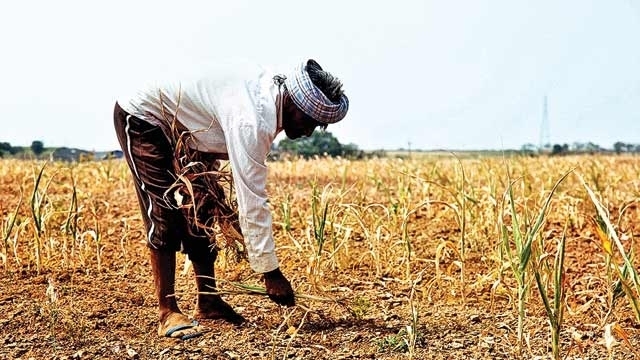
(311, 100)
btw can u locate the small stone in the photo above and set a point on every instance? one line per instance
(487, 342)
(132, 354)
(232, 355)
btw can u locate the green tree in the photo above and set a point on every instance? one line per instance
(619, 147)
(630, 147)
(351, 151)
(5, 147)
(37, 147)
(319, 143)
(558, 149)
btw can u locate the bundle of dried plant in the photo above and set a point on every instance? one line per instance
(203, 189)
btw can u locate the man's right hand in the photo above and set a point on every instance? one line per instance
(279, 288)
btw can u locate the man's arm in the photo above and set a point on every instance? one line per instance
(247, 146)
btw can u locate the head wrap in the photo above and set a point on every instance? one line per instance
(311, 100)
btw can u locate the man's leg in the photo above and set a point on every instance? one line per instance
(163, 266)
(209, 306)
(149, 156)
(198, 246)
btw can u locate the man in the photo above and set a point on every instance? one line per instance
(233, 114)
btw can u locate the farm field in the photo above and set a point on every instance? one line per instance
(422, 258)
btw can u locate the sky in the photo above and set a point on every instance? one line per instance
(423, 74)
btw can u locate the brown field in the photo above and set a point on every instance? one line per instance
(422, 256)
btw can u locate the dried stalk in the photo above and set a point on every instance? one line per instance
(203, 190)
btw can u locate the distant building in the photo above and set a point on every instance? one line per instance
(76, 155)
(71, 155)
(106, 155)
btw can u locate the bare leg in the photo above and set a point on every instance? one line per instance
(211, 306)
(163, 264)
(149, 155)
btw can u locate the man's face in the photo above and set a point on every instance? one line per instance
(296, 123)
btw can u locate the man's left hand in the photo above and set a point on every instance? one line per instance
(279, 288)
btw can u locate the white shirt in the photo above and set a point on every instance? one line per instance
(231, 110)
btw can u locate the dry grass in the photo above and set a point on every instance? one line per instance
(402, 241)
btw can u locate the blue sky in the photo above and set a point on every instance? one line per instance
(439, 74)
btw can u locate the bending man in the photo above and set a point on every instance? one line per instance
(232, 114)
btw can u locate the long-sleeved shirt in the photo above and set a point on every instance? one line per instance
(233, 111)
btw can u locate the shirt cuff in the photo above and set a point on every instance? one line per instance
(264, 263)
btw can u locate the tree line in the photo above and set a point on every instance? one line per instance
(323, 143)
(618, 147)
(37, 148)
(320, 143)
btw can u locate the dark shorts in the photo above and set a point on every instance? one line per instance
(150, 157)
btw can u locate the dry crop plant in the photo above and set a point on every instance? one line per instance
(359, 222)
(58, 223)
(519, 246)
(451, 216)
(365, 211)
(532, 258)
(388, 237)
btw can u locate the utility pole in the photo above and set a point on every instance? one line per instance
(545, 136)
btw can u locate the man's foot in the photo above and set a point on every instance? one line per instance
(179, 326)
(218, 309)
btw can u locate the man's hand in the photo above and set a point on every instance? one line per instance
(279, 288)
